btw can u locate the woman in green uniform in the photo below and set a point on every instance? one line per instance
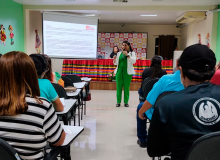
(124, 71)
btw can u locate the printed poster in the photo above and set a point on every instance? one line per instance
(106, 42)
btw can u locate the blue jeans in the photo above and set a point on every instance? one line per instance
(141, 126)
(140, 92)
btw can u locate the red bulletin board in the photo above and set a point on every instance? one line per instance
(106, 42)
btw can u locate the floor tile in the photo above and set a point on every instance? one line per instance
(110, 132)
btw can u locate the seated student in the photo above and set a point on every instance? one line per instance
(53, 77)
(182, 117)
(114, 52)
(167, 83)
(155, 70)
(27, 121)
(46, 88)
(216, 78)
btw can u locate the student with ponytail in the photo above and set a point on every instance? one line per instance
(154, 71)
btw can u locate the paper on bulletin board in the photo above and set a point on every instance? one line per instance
(106, 42)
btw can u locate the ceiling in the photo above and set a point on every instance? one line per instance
(167, 11)
(163, 17)
(129, 3)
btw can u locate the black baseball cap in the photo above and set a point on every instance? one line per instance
(198, 57)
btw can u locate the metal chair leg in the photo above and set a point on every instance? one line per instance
(79, 109)
(79, 114)
(85, 108)
(82, 111)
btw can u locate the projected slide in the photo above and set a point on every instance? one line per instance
(69, 40)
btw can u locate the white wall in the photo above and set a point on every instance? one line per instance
(152, 30)
(189, 34)
(202, 28)
(184, 37)
(34, 22)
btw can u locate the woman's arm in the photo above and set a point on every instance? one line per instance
(115, 60)
(132, 57)
(62, 138)
(58, 105)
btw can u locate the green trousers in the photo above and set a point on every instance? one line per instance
(123, 80)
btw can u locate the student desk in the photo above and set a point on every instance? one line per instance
(77, 95)
(72, 132)
(79, 85)
(69, 103)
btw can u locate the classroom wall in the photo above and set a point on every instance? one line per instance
(184, 39)
(34, 21)
(189, 33)
(12, 14)
(153, 32)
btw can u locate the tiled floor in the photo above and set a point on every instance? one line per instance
(110, 132)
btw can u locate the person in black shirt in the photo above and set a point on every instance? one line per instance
(182, 117)
(115, 50)
(154, 71)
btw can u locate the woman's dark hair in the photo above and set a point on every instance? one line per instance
(156, 65)
(0, 55)
(48, 74)
(198, 76)
(128, 43)
(40, 63)
(114, 48)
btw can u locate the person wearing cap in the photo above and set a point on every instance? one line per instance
(182, 117)
(167, 83)
(46, 88)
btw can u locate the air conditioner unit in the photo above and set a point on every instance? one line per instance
(191, 17)
(120, 1)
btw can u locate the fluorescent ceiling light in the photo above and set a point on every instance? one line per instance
(143, 22)
(90, 15)
(148, 15)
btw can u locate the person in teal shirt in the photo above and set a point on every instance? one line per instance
(46, 88)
